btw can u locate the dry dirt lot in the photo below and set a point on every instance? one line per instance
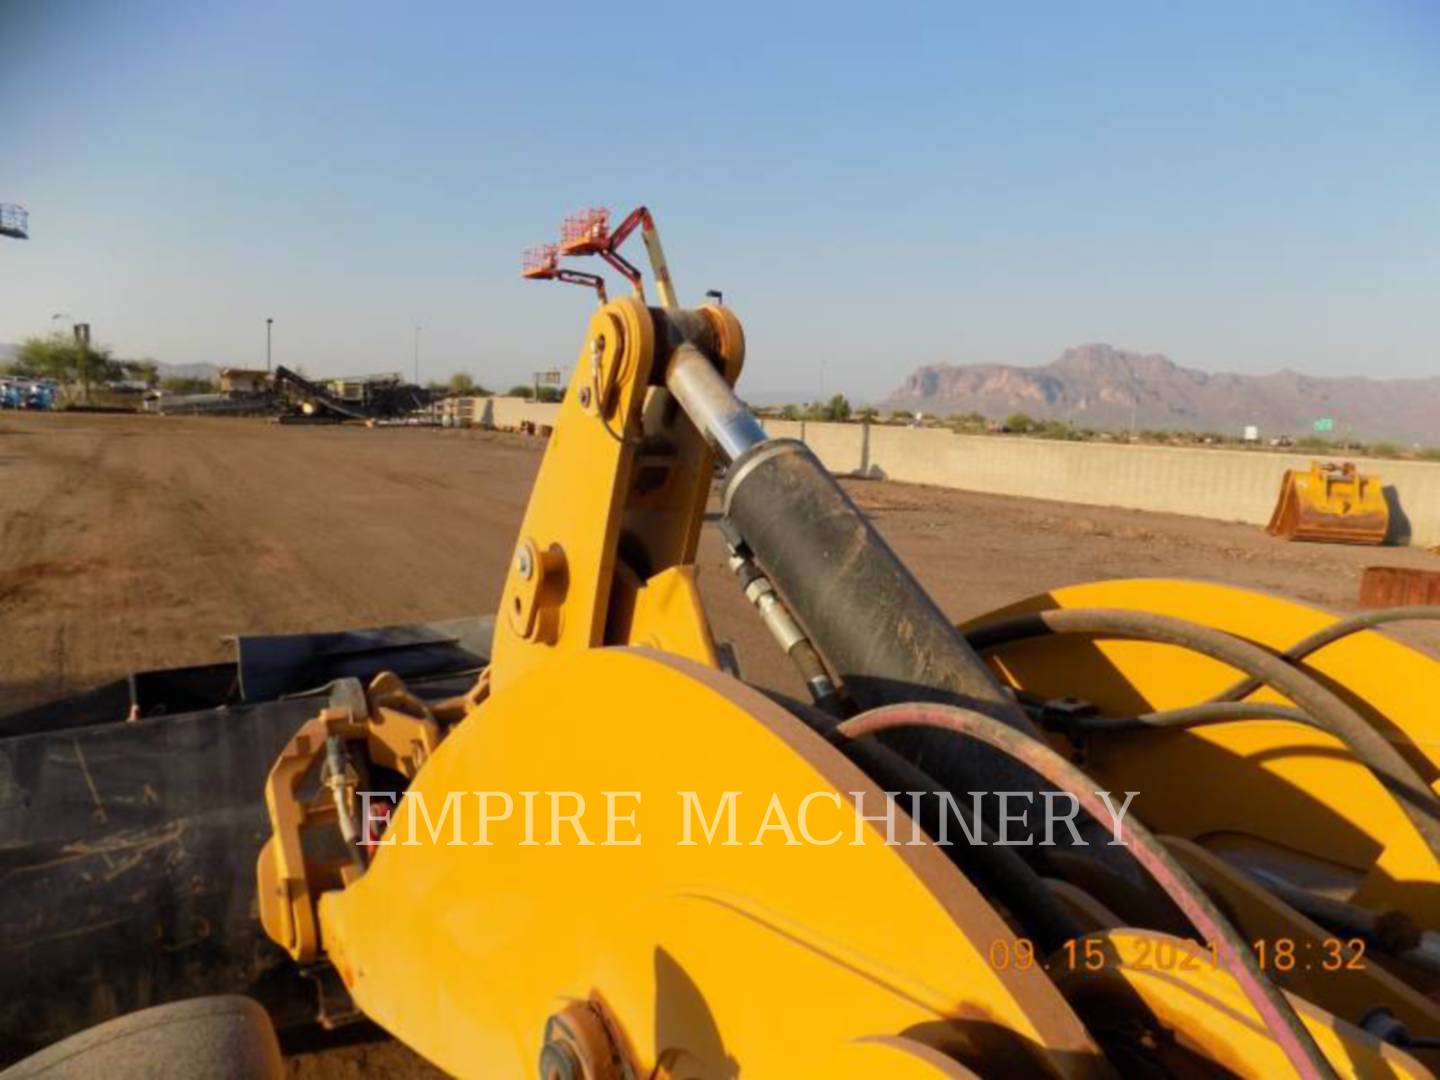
(129, 542)
(134, 541)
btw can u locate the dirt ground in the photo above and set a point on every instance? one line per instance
(129, 542)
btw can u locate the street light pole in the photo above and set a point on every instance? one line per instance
(268, 324)
(82, 342)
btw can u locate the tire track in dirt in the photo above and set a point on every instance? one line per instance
(46, 562)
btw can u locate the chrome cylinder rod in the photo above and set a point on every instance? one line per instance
(710, 403)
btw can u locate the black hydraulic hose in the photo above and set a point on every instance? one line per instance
(781, 624)
(1208, 712)
(875, 627)
(1393, 932)
(996, 869)
(1274, 1010)
(1414, 796)
(1328, 635)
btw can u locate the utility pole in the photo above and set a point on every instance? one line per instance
(268, 324)
(417, 355)
(82, 342)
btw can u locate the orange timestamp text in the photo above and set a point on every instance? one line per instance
(1161, 953)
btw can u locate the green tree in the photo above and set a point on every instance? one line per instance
(464, 385)
(146, 371)
(66, 361)
(790, 412)
(521, 391)
(969, 422)
(1019, 422)
(837, 409)
(869, 414)
(1056, 429)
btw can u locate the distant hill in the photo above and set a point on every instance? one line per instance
(1102, 387)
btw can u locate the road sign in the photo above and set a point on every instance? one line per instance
(553, 377)
(1325, 423)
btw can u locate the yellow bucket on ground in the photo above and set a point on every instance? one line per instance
(1331, 502)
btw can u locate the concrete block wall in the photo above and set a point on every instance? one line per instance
(1226, 485)
(510, 412)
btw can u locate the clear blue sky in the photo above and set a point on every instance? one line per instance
(1244, 186)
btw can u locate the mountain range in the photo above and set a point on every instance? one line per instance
(1100, 386)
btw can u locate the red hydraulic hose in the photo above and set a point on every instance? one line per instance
(1270, 1003)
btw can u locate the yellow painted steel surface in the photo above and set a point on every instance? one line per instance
(670, 616)
(573, 517)
(1254, 789)
(768, 959)
(1186, 990)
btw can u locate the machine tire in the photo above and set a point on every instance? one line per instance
(226, 1037)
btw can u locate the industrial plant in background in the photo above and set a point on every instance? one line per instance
(291, 397)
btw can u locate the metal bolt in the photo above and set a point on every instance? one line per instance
(524, 564)
(584, 397)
